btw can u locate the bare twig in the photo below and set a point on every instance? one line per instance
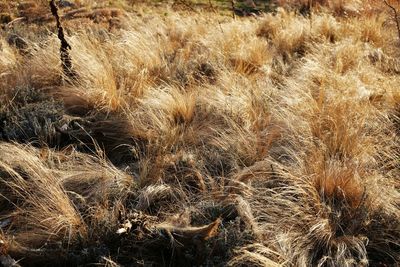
(189, 233)
(64, 53)
(396, 17)
(233, 8)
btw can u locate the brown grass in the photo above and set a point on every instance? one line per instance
(192, 138)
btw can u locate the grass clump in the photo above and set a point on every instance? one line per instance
(195, 138)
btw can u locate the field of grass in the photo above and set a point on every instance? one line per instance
(184, 135)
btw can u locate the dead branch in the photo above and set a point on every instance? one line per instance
(65, 46)
(147, 225)
(189, 233)
(233, 8)
(396, 17)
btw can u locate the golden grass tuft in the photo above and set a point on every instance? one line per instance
(190, 137)
(46, 214)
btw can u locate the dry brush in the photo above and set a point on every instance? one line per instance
(207, 141)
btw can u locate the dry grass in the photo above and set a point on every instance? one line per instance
(192, 138)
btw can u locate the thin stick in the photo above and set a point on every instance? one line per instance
(395, 16)
(64, 53)
(233, 8)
